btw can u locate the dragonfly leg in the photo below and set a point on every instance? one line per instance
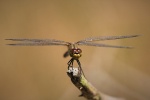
(80, 68)
(70, 64)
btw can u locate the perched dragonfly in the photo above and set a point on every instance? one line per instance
(73, 50)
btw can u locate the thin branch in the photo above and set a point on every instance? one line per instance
(87, 89)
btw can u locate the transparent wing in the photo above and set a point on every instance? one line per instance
(37, 42)
(101, 38)
(103, 45)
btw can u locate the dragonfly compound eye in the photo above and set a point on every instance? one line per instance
(79, 50)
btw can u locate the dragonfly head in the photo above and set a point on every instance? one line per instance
(74, 51)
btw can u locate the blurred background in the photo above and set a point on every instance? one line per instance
(39, 73)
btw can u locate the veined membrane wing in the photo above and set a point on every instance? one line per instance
(37, 42)
(102, 38)
(103, 45)
(88, 41)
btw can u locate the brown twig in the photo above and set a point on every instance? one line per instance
(87, 89)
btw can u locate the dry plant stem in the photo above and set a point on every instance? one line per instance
(79, 80)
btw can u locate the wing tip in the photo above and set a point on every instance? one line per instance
(129, 47)
(137, 35)
(7, 39)
(11, 44)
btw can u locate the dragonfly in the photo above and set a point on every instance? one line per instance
(73, 50)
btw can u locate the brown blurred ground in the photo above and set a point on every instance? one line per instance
(39, 73)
